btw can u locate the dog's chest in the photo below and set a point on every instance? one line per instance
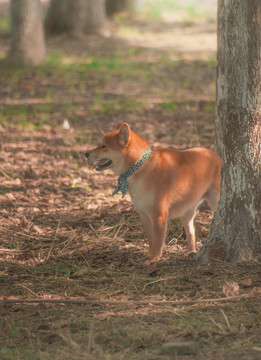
(143, 203)
(142, 198)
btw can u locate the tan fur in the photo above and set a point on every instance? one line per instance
(169, 184)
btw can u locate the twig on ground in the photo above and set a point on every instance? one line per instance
(127, 302)
(8, 250)
(218, 326)
(226, 320)
(23, 234)
(86, 261)
(67, 242)
(25, 287)
(5, 174)
(55, 237)
(152, 282)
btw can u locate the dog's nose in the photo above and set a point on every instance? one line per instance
(87, 154)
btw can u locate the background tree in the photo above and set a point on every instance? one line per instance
(27, 35)
(96, 19)
(115, 6)
(236, 228)
(76, 17)
(56, 21)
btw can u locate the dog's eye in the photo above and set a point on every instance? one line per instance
(103, 146)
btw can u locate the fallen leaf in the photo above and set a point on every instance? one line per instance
(38, 229)
(10, 196)
(231, 288)
(246, 282)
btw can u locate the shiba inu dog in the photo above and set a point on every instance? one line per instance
(162, 183)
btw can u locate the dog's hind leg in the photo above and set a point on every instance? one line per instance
(212, 197)
(187, 221)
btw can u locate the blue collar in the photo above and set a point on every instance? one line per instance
(122, 180)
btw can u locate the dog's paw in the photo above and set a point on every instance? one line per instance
(191, 251)
(153, 260)
(190, 254)
(198, 245)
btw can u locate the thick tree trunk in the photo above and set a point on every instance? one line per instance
(236, 228)
(57, 19)
(115, 6)
(76, 17)
(27, 35)
(96, 21)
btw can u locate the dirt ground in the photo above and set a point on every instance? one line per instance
(64, 237)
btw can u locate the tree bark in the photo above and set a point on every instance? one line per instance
(27, 35)
(236, 229)
(115, 6)
(96, 21)
(76, 17)
(56, 20)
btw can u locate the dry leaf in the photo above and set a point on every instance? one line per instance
(231, 288)
(246, 282)
(38, 229)
(10, 196)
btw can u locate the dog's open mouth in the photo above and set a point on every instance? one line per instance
(103, 164)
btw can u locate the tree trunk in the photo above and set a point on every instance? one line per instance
(76, 17)
(236, 230)
(27, 35)
(56, 21)
(115, 6)
(96, 21)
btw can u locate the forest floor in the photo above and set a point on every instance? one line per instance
(63, 236)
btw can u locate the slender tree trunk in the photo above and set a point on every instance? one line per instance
(76, 17)
(236, 228)
(27, 35)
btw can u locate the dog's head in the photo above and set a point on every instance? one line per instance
(111, 154)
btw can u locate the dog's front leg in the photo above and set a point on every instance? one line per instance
(147, 224)
(155, 228)
(157, 240)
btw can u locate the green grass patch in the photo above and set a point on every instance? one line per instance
(112, 106)
(210, 107)
(27, 109)
(169, 106)
(27, 116)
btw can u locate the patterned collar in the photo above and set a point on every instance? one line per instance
(122, 180)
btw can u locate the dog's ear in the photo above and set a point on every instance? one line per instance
(124, 134)
(119, 125)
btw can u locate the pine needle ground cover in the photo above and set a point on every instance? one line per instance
(73, 279)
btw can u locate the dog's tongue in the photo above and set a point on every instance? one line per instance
(102, 163)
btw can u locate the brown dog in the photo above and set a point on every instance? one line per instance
(162, 183)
